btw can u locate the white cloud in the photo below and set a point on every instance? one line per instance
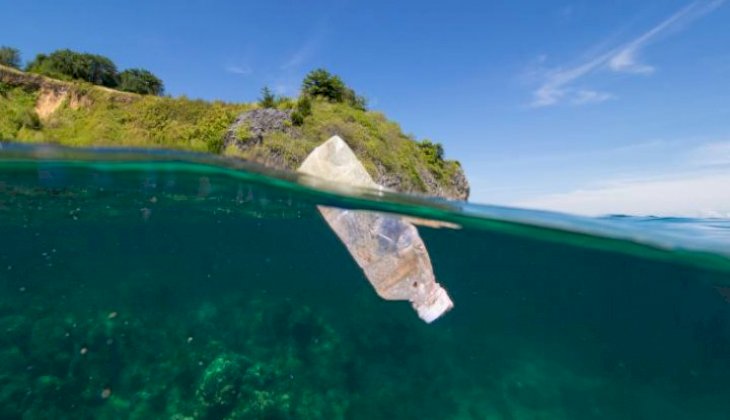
(303, 53)
(239, 70)
(585, 96)
(557, 84)
(625, 61)
(711, 154)
(689, 195)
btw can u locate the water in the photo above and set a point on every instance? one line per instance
(153, 285)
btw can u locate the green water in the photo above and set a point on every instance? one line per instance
(174, 286)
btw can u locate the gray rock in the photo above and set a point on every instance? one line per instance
(256, 124)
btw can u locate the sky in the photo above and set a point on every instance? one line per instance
(614, 107)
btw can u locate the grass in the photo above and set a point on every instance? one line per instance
(93, 116)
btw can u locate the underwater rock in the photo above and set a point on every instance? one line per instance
(386, 247)
(220, 384)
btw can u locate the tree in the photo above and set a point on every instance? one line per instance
(322, 83)
(92, 68)
(99, 70)
(140, 81)
(10, 57)
(268, 100)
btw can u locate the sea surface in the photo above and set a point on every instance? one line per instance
(160, 285)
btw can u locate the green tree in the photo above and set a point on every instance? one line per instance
(322, 83)
(10, 57)
(268, 100)
(140, 81)
(92, 68)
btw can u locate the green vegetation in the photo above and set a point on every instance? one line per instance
(322, 83)
(89, 117)
(92, 68)
(140, 81)
(79, 114)
(302, 111)
(95, 69)
(268, 100)
(17, 114)
(10, 57)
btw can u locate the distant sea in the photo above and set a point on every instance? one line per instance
(139, 284)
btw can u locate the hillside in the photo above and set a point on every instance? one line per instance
(35, 108)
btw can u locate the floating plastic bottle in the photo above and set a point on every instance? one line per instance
(387, 247)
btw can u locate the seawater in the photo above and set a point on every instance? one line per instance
(161, 285)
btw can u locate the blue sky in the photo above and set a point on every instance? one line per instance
(580, 106)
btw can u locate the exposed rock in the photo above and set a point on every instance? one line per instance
(461, 189)
(48, 102)
(251, 127)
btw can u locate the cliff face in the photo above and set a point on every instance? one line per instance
(37, 108)
(393, 159)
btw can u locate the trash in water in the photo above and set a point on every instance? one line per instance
(387, 247)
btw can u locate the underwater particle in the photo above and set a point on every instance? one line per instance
(153, 200)
(10, 267)
(83, 351)
(112, 315)
(106, 393)
(190, 339)
(21, 289)
(386, 247)
(146, 213)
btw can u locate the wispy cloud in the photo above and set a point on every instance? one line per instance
(299, 56)
(692, 182)
(305, 51)
(239, 70)
(585, 96)
(558, 84)
(711, 154)
(691, 195)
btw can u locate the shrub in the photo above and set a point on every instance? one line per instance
(302, 110)
(434, 152)
(297, 118)
(268, 100)
(140, 81)
(92, 68)
(243, 131)
(10, 57)
(29, 119)
(304, 106)
(322, 83)
(285, 103)
(356, 101)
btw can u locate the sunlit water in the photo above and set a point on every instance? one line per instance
(178, 286)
